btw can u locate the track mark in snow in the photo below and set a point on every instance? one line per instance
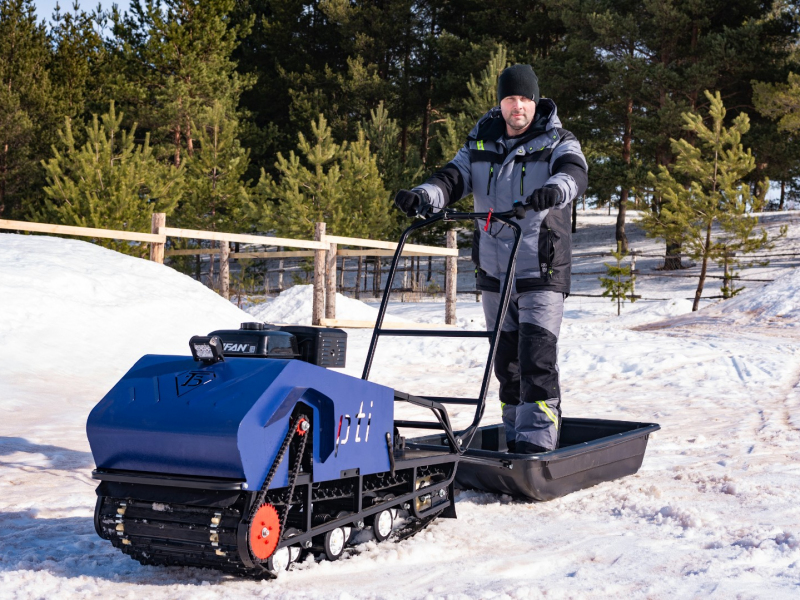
(791, 410)
(738, 369)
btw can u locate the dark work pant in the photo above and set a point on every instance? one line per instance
(526, 366)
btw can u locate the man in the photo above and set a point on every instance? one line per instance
(518, 153)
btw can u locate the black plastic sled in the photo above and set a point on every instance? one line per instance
(592, 451)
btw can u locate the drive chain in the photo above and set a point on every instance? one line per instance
(262, 493)
(293, 479)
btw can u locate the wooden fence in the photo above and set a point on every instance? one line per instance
(324, 248)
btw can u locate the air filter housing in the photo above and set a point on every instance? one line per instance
(320, 346)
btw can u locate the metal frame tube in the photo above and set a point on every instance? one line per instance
(463, 438)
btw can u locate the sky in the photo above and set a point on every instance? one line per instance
(45, 8)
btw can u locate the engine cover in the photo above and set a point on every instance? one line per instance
(172, 415)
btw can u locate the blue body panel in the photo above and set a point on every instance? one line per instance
(172, 415)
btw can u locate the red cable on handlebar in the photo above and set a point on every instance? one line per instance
(488, 220)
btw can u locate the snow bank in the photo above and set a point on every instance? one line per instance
(775, 305)
(712, 512)
(294, 306)
(85, 311)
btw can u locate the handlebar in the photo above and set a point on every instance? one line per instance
(463, 438)
(518, 211)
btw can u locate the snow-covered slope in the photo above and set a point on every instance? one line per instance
(83, 310)
(774, 306)
(712, 513)
(295, 304)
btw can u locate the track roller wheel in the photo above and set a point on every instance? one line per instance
(348, 529)
(283, 558)
(279, 561)
(332, 543)
(382, 524)
(265, 531)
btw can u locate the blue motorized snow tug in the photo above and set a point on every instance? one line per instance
(252, 452)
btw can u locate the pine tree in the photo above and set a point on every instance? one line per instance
(26, 104)
(780, 101)
(336, 183)
(397, 172)
(368, 206)
(709, 191)
(110, 182)
(346, 96)
(217, 194)
(287, 41)
(619, 283)
(383, 134)
(77, 66)
(616, 34)
(172, 60)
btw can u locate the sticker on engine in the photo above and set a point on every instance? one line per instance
(238, 348)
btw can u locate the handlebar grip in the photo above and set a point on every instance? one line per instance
(519, 209)
(425, 210)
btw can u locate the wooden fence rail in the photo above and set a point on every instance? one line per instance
(219, 236)
(108, 234)
(290, 254)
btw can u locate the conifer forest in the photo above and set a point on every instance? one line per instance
(266, 116)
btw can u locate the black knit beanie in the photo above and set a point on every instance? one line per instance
(518, 80)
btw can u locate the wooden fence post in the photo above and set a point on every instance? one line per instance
(450, 278)
(280, 271)
(225, 270)
(376, 277)
(156, 249)
(330, 283)
(318, 308)
(358, 276)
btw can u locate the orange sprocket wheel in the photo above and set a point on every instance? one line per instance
(265, 531)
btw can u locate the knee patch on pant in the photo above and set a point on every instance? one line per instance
(538, 356)
(542, 308)
(506, 366)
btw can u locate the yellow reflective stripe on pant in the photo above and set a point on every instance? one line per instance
(548, 412)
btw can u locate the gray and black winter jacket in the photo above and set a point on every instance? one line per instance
(500, 171)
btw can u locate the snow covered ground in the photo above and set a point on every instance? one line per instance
(712, 513)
